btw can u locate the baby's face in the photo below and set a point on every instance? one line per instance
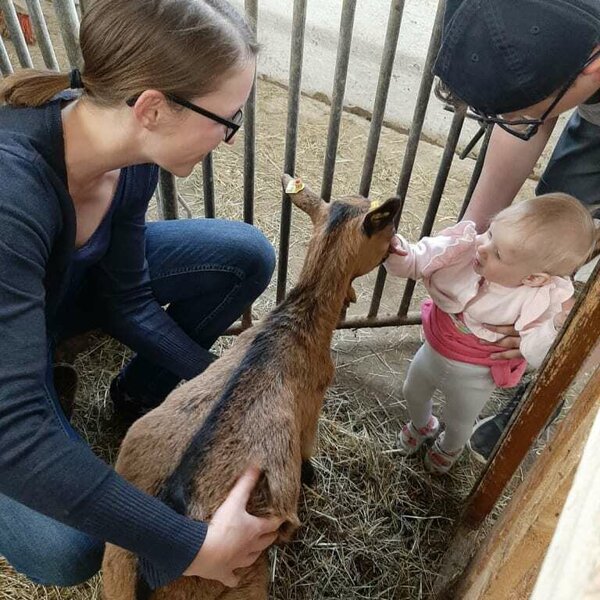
(501, 257)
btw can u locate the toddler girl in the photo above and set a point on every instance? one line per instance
(516, 272)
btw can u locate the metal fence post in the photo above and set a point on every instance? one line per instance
(42, 35)
(66, 13)
(414, 137)
(5, 65)
(298, 29)
(168, 195)
(383, 87)
(16, 33)
(337, 98)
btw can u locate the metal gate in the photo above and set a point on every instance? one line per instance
(582, 327)
(68, 14)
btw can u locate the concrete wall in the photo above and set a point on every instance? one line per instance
(321, 40)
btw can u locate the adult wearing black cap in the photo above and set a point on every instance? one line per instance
(519, 64)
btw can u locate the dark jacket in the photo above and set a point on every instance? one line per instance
(40, 466)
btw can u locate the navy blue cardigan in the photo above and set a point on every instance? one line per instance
(40, 466)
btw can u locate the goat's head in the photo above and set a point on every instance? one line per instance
(353, 229)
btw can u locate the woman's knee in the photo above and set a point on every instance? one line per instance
(257, 258)
(64, 562)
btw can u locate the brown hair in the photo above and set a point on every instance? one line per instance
(556, 230)
(180, 47)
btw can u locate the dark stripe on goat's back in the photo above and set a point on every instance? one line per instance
(340, 212)
(261, 354)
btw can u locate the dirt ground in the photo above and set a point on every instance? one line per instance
(376, 525)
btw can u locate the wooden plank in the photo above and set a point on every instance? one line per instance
(507, 564)
(562, 364)
(571, 568)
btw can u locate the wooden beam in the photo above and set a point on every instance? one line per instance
(571, 568)
(562, 364)
(507, 564)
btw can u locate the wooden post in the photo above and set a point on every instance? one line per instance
(507, 564)
(571, 568)
(558, 372)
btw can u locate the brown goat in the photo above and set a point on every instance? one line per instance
(260, 401)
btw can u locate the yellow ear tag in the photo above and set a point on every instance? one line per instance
(375, 204)
(294, 186)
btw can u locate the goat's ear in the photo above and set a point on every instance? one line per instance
(380, 216)
(302, 196)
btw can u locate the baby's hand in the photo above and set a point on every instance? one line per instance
(397, 247)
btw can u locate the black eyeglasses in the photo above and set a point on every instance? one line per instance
(232, 125)
(526, 128)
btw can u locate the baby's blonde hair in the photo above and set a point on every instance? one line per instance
(556, 231)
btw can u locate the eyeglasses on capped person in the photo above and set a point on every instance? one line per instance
(523, 128)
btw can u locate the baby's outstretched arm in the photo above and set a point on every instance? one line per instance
(409, 260)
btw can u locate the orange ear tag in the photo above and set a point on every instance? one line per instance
(294, 186)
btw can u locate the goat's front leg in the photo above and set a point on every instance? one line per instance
(309, 433)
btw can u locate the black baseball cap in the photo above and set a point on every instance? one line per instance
(500, 56)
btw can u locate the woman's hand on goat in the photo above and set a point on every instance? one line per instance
(234, 539)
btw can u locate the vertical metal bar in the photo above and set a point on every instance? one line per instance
(68, 19)
(250, 130)
(251, 7)
(337, 98)
(41, 33)
(16, 33)
(5, 65)
(476, 171)
(563, 362)
(414, 136)
(83, 6)
(383, 86)
(436, 196)
(168, 195)
(208, 187)
(297, 52)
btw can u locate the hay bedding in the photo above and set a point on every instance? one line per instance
(375, 525)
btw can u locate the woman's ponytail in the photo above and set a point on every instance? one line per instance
(32, 87)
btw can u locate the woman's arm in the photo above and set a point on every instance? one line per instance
(131, 312)
(47, 467)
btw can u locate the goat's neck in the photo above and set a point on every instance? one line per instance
(319, 295)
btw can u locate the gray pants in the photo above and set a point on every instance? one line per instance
(466, 388)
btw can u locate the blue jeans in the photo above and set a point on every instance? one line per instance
(574, 167)
(208, 272)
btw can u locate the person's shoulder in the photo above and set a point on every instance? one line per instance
(24, 121)
(21, 165)
(33, 131)
(30, 192)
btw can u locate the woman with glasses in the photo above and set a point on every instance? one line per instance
(518, 65)
(163, 83)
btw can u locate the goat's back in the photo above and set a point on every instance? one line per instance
(241, 410)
